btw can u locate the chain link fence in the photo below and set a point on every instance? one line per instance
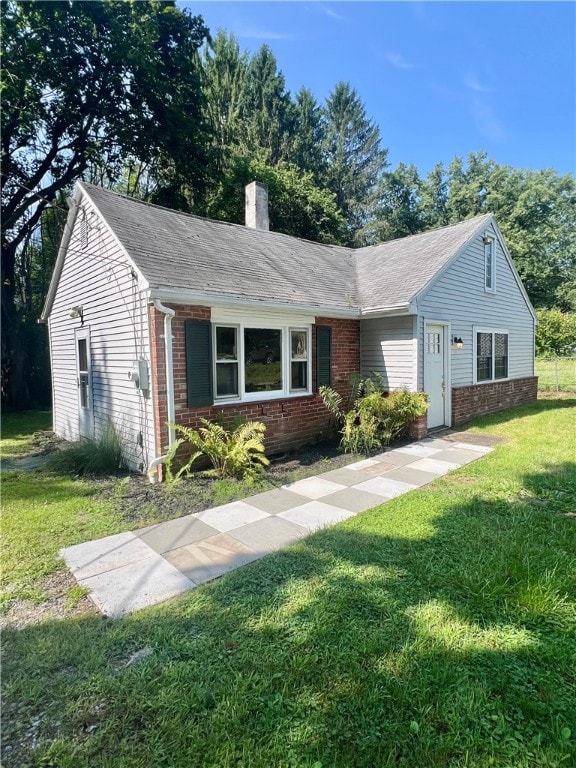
(556, 373)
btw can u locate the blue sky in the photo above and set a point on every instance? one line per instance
(440, 78)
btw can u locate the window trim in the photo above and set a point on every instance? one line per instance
(489, 243)
(493, 331)
(286, 363)
(215, 362)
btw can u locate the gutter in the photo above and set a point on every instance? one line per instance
(222, 299)
(168, 313)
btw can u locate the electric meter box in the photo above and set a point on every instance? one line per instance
(139, 375)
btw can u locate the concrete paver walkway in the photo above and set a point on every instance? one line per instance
(132, 570)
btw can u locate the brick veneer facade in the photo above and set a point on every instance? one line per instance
(481, 399)
(290, 422)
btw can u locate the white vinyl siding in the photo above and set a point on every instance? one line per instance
(388, 347)
(99, 277)
(459, 297)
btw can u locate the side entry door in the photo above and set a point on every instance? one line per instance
(84, 383)
(434, 373)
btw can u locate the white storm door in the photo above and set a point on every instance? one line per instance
(84, 383)
(434, 368)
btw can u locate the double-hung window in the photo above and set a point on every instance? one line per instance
(491, 359)
(255, 363)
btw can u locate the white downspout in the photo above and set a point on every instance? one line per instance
(168, 315)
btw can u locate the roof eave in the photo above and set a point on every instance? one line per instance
(204, 298)
(407, 308)
(73, 203)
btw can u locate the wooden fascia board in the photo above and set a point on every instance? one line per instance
(74, 204)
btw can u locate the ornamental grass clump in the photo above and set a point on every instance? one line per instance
(376, 417)
(237, 453)
(102, 455)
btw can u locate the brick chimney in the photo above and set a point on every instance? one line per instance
(257, 206)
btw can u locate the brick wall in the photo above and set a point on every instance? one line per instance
(481, 399)
(289, 421)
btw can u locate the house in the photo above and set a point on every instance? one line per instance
(157, 317)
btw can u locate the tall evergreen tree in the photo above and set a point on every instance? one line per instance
(306, 149)
(354, 158)
(267, 109)
(225, 85)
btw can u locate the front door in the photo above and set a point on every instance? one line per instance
(84, 382)
(434, 373)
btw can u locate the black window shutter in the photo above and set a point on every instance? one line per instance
(199, 363)
(323, 355)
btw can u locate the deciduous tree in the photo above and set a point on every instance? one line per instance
(84, 83)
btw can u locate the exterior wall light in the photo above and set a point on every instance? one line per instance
(457, 342)
(77, 312)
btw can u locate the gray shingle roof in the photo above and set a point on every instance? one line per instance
(178, 251)
(394, 272)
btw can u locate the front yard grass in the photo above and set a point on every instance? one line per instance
(438, 629)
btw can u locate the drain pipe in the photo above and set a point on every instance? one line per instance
(168, 315)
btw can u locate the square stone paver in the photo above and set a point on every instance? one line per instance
(436, 442)
(206, 560)
(105, 554)
(434, 466)
(408, 474)
(395, 458)
(268, 535)
(353, 499)
(480, 449)
(175, 533)
(136, 585)
(345, 476)
(383, 486)
(417, 449)
(458, 455)
(363, 464)
(313, 487)
(230, 516)
(277, 500)
(315, 515)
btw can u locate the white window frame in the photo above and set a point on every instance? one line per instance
(286, 363)
(493, 331)
(216, 362)
(489, 249)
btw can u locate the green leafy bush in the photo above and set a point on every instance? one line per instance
(235, 453)
(555, 333)
(375, 417)
(103, 455)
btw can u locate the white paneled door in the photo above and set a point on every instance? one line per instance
(434, 373)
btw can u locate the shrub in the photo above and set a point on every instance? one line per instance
(235, 453)
(555, 332)
(375, 417)
(103, 455)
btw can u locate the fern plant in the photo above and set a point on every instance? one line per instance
(375, 417)
(235, 453)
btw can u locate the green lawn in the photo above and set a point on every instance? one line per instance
(436, 630)
(558, 374)
(18, 428)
